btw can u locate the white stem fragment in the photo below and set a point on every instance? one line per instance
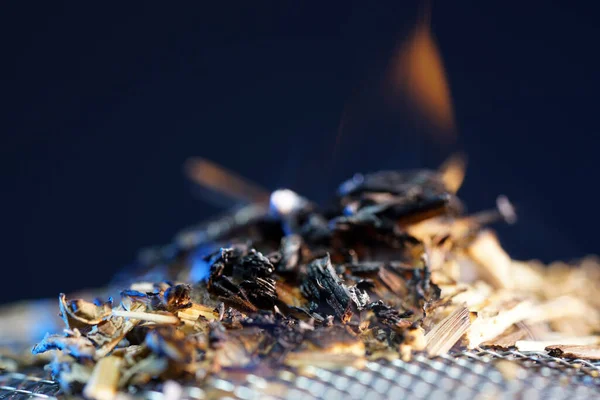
(105, 378)
(126, 327)
(142, 286)
(447, 332)
(144, 316)
(506, 209)
(540, 345)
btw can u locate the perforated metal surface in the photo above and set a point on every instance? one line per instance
(474, 374)
(27, 386)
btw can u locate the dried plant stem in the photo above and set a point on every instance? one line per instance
(144, 316)
(104, 380)
(487, 328)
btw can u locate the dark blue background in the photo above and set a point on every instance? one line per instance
(102, 104)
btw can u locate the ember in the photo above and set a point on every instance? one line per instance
(392, 268)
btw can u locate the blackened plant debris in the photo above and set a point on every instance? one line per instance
(402, 183)
(380, 273)
(240, 276)
(389, 316)
(289, 255)
(322, 287)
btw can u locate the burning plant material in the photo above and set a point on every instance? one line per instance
(392, 268)
(588, 352)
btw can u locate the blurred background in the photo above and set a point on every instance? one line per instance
(103, 105)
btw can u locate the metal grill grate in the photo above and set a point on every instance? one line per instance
(472, 374)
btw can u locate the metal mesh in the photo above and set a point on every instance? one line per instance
(33, 385)
(474, 374)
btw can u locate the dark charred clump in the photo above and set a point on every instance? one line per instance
(242, 276)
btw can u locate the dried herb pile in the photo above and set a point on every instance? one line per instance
(393, 267)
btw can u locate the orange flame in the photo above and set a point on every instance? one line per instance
(418, 71)
(212, 176)
(453, 171)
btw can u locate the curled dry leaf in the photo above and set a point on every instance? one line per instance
(78, 313)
